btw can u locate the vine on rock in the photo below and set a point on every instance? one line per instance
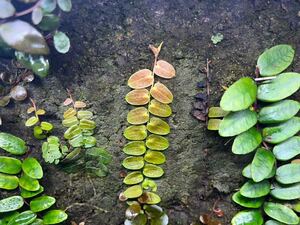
(265, 124)
(146, 135)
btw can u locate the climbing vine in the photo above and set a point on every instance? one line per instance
(265, 124)
(30, 206)
(146, 135)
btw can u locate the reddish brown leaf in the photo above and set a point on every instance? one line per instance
(68, 101)
(161, 93)
(164, 69)
(141, 79)
(199, 115)
(138, 97)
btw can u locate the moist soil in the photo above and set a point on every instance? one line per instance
(110, 42)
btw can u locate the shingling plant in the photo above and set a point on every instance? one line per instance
(80, 151)
(265, 124)
(30, 206)
(24, 34)
(146, 135)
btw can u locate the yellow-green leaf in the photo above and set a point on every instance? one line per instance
(157, 142)
(133, 191)
(159, 109)
(31, 121)
(135, 133)
(158, 126)
(133, 163)
(135, 148)
(154, 157)
(153, 171)
(216, 112)
(138, 116)
(149, 198)
(213, 124)
(133, 178)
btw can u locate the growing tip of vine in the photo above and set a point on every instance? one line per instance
(156, 50)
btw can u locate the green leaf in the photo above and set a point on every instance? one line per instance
(31, 121)
(216, 38)
(61, 42)
(159, 109)
(149, 184)
(11, 204)
(99, 170)
(72, 132)
(247, 172)
(213, 124)
(38, 64)
(48, 5)
(133, 163)
(8, 182)
(149, 198)
(279, 88)
(281, 213)
(290, 192)
(163, 220)
(281, 132)
(6, 9)
(46, 126)
(23, 37)
(247, 202)
(6, 217)
(24, 218)
(278, 112)
(216, 112)
(140, 219)
(54, 217)
(255, 190)
(246, 142)
(51, 151)
(273, 222)
(65, 5)
(157, 142)
(37, 222)
(135, 148)
(288, 173)
(42, 203)
(133, 192)
(155, 157)
(153, 171)
(275, 60)
(287, 149)
(30, 194)
(237, 122)
(12, 144)
(262, 164)
(29, 183)
(37, 15)
(10, 165)
(100, 154)
(248, 217)
(32, 168)
(133, 178)
(158, 126)
(240, 95)
(50, 22)
(84, 114)
(135, 133)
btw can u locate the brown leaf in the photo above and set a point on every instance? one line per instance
(30, 110)
(68, 101)
(199, 115)
(161, 93)
(164, 69)
(141, 79)
(296, 161)
(138, 97)
(79, 104)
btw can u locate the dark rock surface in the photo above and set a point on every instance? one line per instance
(109, 42)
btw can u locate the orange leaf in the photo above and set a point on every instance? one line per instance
(164, 69)
(30, 110)
(161, 93)
(141, 79)
(138, 97)
(79, 104)
(296, 161)
(68, 101)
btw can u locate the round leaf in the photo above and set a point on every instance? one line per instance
(37, 15)
(240, 95)
(290, 192)
(8, 182)
(135, 148)
(237, 122)
(139, 115)
(159, 109)
(278, 112)
(10, 165)
(246, 142)
(133, 191)
(288, 173)
(48, 5)
(279, 88)
(6, 9)
(42, 203)
(164, 69)
(247, 202)
(135, 133)
(12, 144)
(32, 168)
(133, 163)
(149, 198)
(248, 218)
(61, 42)
(158, 126)
(287, 149)
(281, 132)
(255, 190)
(11, 204)
(65, 5)
(281, 213)
(157, 142)
(262, 164)
(161, 93)
(138, 97)
(133, 178)
(154, 157)
(153, 171)
(275, 60)
(28, 183)
(141, 79)
(54, 217)
(23, 37)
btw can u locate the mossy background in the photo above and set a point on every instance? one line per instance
(109, 42)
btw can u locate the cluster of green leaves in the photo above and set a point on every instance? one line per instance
(261, 116)
(80, 152)
(24, 174)
(41, 129)
(25, 39)
(145, 151)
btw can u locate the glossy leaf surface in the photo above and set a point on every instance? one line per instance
(279, 88)
(54, 217)
(158, 126)
(247, 202)
(61, 42)
(288, 173)
(255, 190)
(248, 217)
(153, 171)
(139, 115)
(247, 172)
(157, 142)
(141, 79)
(273, 222)
(155, 157)
(133, 191)
(135, 148)
(287, 149)
(278, 112)
(30, 194)
(262, 164)
(246, 142)
(240, 95)
(133, 178)
(24, 218)
(164, 69)
(10, 165)
(42, 203)
(133, 163)
(290, 192)
(32, 168)
(12, 144)
(149, 198)
(281, 132)
(281, 213)
(159, 109)
(29, 183)
(138, 97)
(23, 37)
(237, 122)
(8, 182)
(11, 204)
(275, 60)
(136, 133)
(161, 93)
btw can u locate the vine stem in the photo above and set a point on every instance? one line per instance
(27, 11)
(264, 78)
(71, 97)
(207, 70)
